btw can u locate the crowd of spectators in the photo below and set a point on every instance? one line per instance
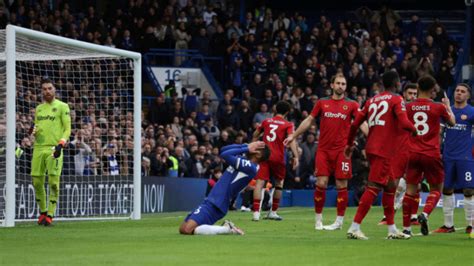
(270, 56)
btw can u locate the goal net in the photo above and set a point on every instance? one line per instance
(101, 170)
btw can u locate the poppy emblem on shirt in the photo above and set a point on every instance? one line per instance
(463, 117)
(54, 109)
(344, 107)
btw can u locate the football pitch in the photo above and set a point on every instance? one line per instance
(154, 240)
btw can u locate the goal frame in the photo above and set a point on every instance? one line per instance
(10, 54)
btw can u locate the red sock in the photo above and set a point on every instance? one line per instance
(275, 204)
(319, 198)
(342, 199)
(431, 202)
(365, 203)
(256, 205)
(388, 203)
(416, 203)
(407, 209)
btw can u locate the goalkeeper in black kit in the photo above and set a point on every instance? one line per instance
(52, 128)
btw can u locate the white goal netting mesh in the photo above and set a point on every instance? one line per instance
(97, 176)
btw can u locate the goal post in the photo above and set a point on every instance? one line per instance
(101, 176)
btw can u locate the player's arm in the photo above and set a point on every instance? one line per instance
(231, 156)
(305, 125)
(66, 122)
(400, 112)
(356, 124)
(257, 134)
(448, 116)
(294, 149)
(364, 127)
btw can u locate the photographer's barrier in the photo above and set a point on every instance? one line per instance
(165, 194)
(86, 196)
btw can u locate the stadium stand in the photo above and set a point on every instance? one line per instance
(270, 55)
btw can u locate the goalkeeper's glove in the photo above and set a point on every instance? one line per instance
(58, 149)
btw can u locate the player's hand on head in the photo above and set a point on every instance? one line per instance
(256, 145)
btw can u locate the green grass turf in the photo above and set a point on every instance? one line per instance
(154, 240)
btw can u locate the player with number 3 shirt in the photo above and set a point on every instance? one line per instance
(273, 132)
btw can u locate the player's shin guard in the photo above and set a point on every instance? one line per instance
(342, 199)
(319, 199)
(469, 210)
(407, 209)
(53, 194)
(431, 202)
(38, 184)
(388, 203)
(448, 209)
(365, 203)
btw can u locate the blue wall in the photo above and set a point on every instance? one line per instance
(168, 194)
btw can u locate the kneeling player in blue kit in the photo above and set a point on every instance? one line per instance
(236, 177)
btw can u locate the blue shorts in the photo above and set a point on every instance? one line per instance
(206, 213)
(459, 174)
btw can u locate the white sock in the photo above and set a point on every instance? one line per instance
(392, 229)
(448, 210)
(414, 216)
(425, 214)
(469, 210)
(339, 219)
(319, 217)
(354, 227)
(407, 228)
(206, 229)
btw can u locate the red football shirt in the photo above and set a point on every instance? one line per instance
(275, 131)
(427, 116)
(335, 122)
(383, 113)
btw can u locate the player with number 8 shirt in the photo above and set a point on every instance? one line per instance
(384, 112)
(425, 158)
(335, 114)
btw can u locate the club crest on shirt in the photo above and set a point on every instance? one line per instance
(463, 117)
(344, 107)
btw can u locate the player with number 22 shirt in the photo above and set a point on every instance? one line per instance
(384, 112)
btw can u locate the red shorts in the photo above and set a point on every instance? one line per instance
(380, 169)
(270, 168)
(421, 166)
(400, 163)
(333, 163)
